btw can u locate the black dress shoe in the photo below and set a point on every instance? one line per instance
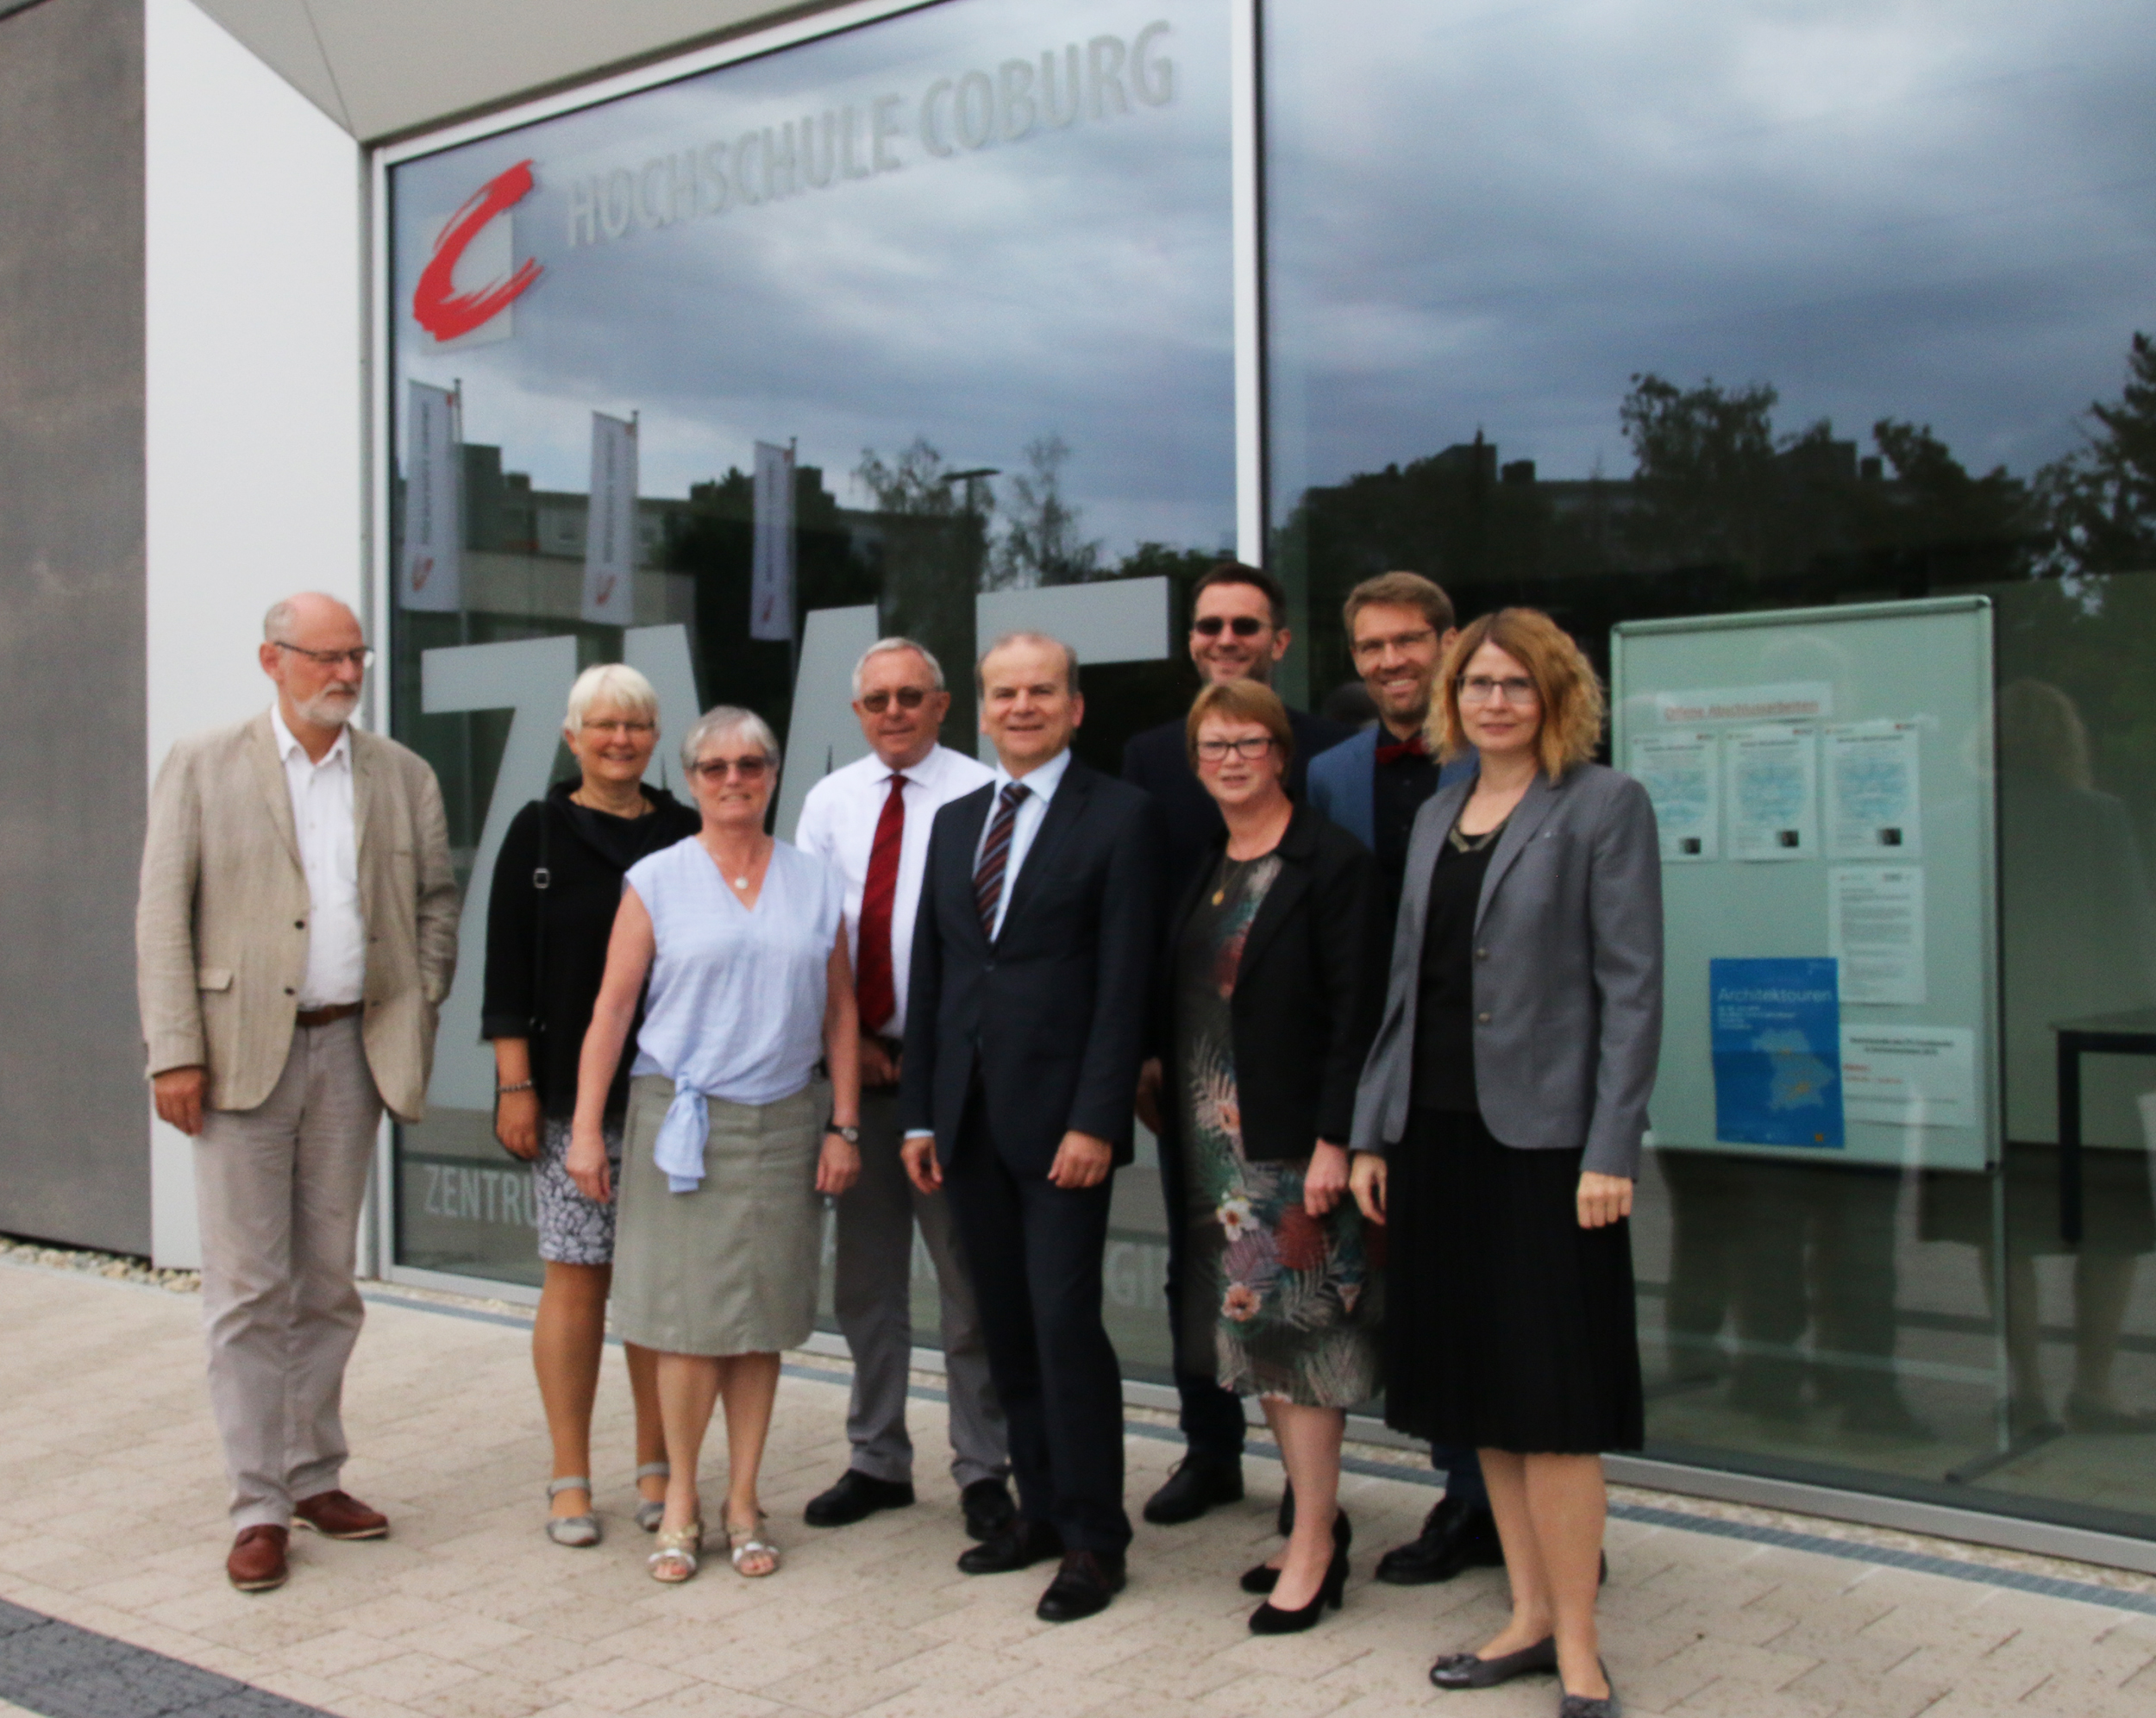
(988, 1508)
(1269, 1619)
(1455, 1536)
(855, 1497)
(1264, 1577)
(1194, 1485)
(1019, 1545)
(1082, 1587)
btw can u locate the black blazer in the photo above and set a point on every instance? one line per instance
(1051, 1017)
(1307, 993)
(1158, 761)
(584, 890)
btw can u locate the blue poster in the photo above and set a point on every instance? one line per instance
(1777, 1052)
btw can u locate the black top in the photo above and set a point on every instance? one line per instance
(1158, 761)
(1397, 792)
(1308, 988)
(1444, 1012)
(587, 853)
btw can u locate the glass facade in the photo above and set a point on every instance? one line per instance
(1629, 312)
(1684, 309)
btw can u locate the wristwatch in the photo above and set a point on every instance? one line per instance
(850, 1135)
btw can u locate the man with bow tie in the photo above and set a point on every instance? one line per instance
(1400, 627)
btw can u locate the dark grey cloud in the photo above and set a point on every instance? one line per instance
(1885, 208)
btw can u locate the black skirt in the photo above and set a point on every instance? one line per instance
(1508, 1326)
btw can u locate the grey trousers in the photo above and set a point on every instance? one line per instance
(279, 1190)
(873, 1293)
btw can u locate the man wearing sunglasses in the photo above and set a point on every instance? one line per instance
(296, 934)
(1238, 630)
(870, 821)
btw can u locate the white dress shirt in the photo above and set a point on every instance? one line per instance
(838, 826)
(329, 854)
(1025, 823)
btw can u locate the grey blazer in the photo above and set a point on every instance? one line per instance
(1568, 972)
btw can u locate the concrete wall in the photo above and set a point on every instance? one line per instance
(254, 429)
(72, 1166)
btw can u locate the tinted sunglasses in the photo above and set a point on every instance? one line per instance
(1243, 626)
(909, 697)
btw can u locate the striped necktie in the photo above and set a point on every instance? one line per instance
(995, 855)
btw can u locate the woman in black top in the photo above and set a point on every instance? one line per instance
(1267, 1005)
(1499, 1128)
(556, 885)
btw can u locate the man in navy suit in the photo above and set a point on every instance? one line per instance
(1032, 950)
(1238, 630)
(1400, 627)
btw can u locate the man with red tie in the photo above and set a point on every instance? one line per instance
(871, 820)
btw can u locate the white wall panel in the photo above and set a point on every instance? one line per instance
(254, 451)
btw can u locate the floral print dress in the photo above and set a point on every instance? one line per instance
(1286, 1300)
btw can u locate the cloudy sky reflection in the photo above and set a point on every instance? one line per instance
(1883, 207)
(1074, 281)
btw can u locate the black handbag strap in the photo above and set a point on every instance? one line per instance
(541, 880)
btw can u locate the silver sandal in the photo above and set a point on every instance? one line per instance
(573, 1531)
(650, 1511)
(743, 1543)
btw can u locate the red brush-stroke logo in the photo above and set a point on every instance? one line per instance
(437, 304)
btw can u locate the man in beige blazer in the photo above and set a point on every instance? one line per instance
(296, 934)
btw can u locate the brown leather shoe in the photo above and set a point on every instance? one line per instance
(256, 1562)
(339, 1515)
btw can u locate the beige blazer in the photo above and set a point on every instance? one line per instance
(220, 930)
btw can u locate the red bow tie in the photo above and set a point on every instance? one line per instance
(1413, 746)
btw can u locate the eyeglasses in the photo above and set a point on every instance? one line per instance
(617, 729)
(330, 659)
(1482, 689)
(1249, 748)
(1364, 648)
(1243, 626)
(718, 768)
(908, 696)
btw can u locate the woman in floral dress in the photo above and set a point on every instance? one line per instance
(1269, 1006)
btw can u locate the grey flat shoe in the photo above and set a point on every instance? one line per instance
(652, 1511)
(1465, 1670)
(1588, 1705)
(574, 1530)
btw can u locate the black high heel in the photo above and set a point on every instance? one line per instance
(1269, 1619)
(1264, 1577)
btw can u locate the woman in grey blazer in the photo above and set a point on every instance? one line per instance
(1498, 1125)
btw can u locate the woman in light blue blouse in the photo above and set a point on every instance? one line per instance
(726, 1153)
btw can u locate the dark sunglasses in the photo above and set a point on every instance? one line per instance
(909, 697)
(1243, 626)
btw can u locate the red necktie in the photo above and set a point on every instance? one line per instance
(1413, 746)
(878, 996)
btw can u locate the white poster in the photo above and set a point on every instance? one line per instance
(771, 569)
(1910, 1076)
(610, 525)
(431, 559)
(1682, 772)
(1873, 801)
(1875, 928)
(1773, 793)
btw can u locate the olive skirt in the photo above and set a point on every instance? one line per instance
(732, 1268)
(1508, 1326)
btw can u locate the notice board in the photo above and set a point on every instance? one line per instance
(1823, 781)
